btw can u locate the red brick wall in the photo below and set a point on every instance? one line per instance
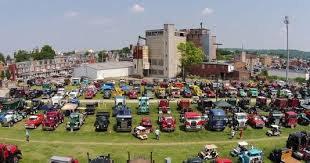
(208, 70)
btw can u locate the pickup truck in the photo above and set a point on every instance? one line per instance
(52, 120)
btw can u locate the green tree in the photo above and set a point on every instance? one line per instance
(2, 75)
(46, 52)
(21, 56)
(190, 55)
(8, 57)
(125, 50)
(102, 55)
(8, 74)
(2, 58)
(264, 73)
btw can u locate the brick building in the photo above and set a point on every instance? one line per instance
(266, 60)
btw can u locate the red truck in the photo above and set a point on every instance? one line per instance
(133, 94)
(290, 119)
(89, 94)
(193, 121)
(34, 121)
(256, 121)
(167, 122)
(52, 120)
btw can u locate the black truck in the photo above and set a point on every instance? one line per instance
(91, 108)
(102, 121)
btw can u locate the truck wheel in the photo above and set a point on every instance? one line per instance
(15, 159)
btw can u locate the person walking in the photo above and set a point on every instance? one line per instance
(232, 132)
(27, 135)
(241, 133)
(157, 133)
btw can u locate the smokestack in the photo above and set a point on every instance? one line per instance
(200, 25)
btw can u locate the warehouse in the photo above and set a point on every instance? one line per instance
(104, 70)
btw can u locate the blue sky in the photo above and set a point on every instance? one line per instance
(102, 24)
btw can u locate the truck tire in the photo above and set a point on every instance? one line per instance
(14, 159)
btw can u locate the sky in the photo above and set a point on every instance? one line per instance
(102, 24)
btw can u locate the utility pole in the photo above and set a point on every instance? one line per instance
(286, 22)
(217, 76)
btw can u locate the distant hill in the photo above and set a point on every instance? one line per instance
(279, 52)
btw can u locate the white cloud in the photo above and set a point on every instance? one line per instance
(136, 8)
(71, 14)
(207, 11)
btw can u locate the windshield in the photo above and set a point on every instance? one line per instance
(195, 118)
(74, 116)
(242, 117)
(219, 118)
(32, 118)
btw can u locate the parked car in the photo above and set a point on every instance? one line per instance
(133, 94)
(147, 123)
(256, 121)
(34, 121)
(124, 120)
(240, 149)
(290, 119)
(252, 156)
(240, 120)
(11, 117)
(140, 132)
(163, 107)
(102, 121)
(209, 152)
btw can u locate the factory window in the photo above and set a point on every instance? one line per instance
(160, 72)
(135, 66)
(160, 62)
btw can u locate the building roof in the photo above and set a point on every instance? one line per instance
(110, 65)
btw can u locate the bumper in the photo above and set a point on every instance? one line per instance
(259, 125)
(48, 128)
(30, 126)
(168, 129)
(123, 129)
(193, 128)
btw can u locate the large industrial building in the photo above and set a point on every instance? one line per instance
(104, 70)
(160, 57)
(203, 39)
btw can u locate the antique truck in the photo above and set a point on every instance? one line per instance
(261, 102)
(280, 103)
(137, 86)
(253, 92)
(252, 156)
(194, 160)
(35, 106)
(193, 121)
(107, 94)
(62, 159)
(187, 92)
(13, 104)
(133, 94)
(75, 81)
(167, 122)
(209, 152)
(163, 107)
(221, 160)
(123, 121)
(239, 120)
(293, 103)
(197, 91)
(240, 149)
(284, 155)
(117, 92)
(91, 108)
(102, 121)
(290, 119)
(174, 92)
(204, 104)
(210, 93)
(11, 117)
(143, 107)
(244, 102)
(52, 120)
(147, 123)
(76, 120)
(184, 106)
(89, 94)
(275, 118)
(119, 103)
(217, 120)
(100, 159)
(34, 121)
(299, 142)
(10, 153)
(303, 119)
(148, 93)
(242, 93)
(161, 93)
(140, 132)
(256, 121)
(125, 88)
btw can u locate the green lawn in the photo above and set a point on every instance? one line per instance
(86, 140)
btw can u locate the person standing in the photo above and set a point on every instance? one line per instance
(157, 133)
(232, 132)
(27, 135)
(241, 133)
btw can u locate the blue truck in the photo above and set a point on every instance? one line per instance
(217, 120)
(123, 121)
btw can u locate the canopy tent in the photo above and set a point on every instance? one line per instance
(222, 104)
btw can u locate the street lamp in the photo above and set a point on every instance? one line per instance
(217, 76)
(286, 22)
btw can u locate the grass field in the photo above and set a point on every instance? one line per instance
(178, 145)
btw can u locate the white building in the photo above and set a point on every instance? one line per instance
(104, 70)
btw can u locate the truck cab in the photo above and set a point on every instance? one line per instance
(193, 121)
(124, 120)
(240, 120)
(290, 119)
(102, 121)
(252, 156)
(217, 120)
